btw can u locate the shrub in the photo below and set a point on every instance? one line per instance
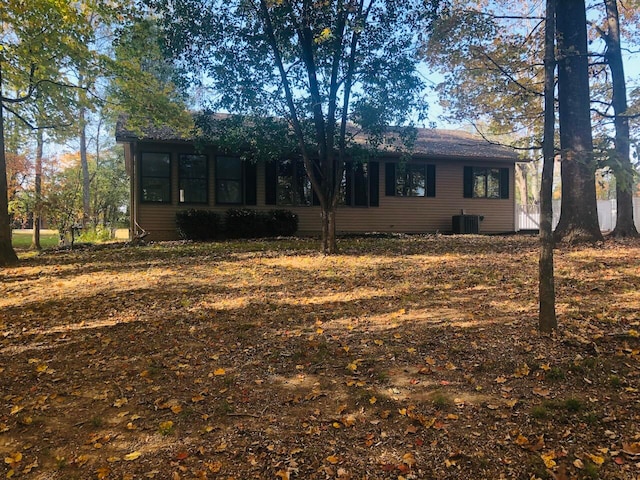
(198, 225)
(247, 223)
(281, 223)
(244, 223)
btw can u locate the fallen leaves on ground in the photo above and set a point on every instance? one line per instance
(407, 357)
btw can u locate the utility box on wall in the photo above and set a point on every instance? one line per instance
(466, 223)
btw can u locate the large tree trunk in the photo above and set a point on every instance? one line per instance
(37, 210)
(621, 165)
(7, 254)
(84, 162)
(547, 321)
(579, 213)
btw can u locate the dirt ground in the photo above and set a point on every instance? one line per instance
(400, 358)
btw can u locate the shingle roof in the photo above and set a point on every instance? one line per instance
(429, 142)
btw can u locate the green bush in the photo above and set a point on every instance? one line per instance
(245, 223)
(281, 223)
(198, 225)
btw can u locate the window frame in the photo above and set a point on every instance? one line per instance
(395, 189)
(300, 183)
(218, 178)
(166, 178)
(501, 179)
(182, 178)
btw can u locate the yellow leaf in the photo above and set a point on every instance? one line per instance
(409, 459)
(378, 342)
(16, 409)
(219, 371)
(103, 472)
(336, 425)
(578, 464)
(545, 366)
(332, 459)
(373, 400)
(450, 366)
(132, 456)
(42, 368)
(283, 474)
(597, 459)
(176, 409)
(522, 440)
(549, 459)
(197, 398)
(501, 380)
(430, 361)
(522, 371)
(14, 458)
(120, 402)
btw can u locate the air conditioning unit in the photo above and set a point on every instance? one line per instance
(466, 223)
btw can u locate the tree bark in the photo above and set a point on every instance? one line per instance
(621, 165)
(7, 254)
(37, 210)
(547, 320)
(579, 214)
(84, 162)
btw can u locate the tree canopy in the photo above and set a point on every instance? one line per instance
(319, 66)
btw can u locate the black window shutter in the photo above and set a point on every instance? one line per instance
(504, 183)
(468, 182)
(431, 180)
(250, 183)
(374, 184)
(348, 187)
(270, 182)
(390, 179)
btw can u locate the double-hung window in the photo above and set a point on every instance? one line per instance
(293, 184)
(229, 181)
(193, 174)
(486, 182)
(155, 177)
(410, 179)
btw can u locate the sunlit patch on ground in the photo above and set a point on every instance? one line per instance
(413, 357)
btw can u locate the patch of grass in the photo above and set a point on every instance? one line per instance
(441, 400)
(539, 412)
(591, 418)
(615, 381)
(554, 375)
(573, 405)
(590, 470)
(21, 239)
(97, 421)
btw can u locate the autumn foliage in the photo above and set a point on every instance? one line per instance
(406, 357)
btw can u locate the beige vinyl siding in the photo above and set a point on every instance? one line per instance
(395, 214)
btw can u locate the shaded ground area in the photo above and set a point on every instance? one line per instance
(413, 357)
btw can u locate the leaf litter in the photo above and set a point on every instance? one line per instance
(408, 357)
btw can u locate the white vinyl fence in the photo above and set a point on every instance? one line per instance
(528, 216)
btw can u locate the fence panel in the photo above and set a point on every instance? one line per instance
(528, 216)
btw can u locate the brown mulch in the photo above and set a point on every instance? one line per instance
(399, 358)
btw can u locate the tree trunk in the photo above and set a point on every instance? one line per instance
(622, 168)
(579, 213)
(7, 254)
(37, 210)
(547, 321)
(84, 162)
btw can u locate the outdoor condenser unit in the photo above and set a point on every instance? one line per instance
(466, 223)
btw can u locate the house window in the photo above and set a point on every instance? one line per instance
(486, 182)
(229, 180)
(193, 184)
(355, 184)
(410, 180)
(155, 177)
(293, 184)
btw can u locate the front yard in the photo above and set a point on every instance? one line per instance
(409, 357)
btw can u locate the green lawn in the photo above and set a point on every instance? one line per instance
(22, 238)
